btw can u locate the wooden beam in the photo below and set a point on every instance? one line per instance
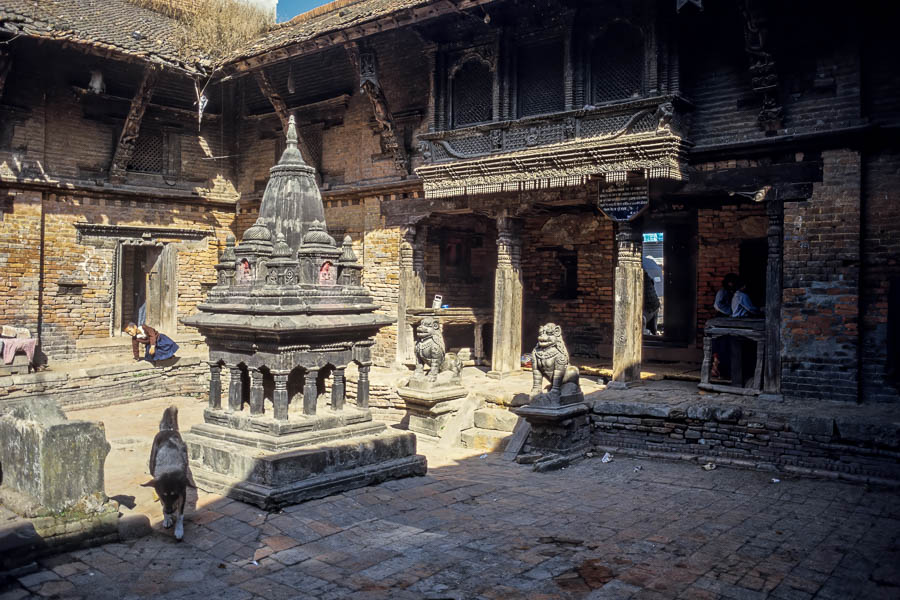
(5, 66)
(391, 142)
(271, 93)
(132, 126)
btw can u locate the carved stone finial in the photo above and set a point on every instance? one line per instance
(228, 254)
(348, 256)
(291, 154)
(281, 250)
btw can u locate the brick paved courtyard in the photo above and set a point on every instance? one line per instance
(484, 528)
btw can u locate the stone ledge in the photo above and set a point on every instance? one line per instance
(827, 439)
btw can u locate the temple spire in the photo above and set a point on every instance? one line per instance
(291, 153)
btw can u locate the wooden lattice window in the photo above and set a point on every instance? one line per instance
(473, 86)
(617, 64)
(540, 78)
(149, 153)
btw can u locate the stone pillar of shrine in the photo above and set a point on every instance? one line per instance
(506, 357)
(412, 288)
(628, 326)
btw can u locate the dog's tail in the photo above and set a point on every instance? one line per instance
(169, 420)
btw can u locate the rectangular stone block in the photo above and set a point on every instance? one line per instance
(49, 463)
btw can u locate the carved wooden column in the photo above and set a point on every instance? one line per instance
(310, 392)
(628, 326)
(774, 282)
(215, 385)
(338, 386)
(257, 397)
(235, 390)
(362, 387)
(569, 61)
(506, 358)
(412, 288)
(430, 51)
(280, 400)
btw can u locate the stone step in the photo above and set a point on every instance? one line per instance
(484, 439)
(496, 419)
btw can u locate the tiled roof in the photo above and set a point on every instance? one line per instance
(114, 25)
(335, 16)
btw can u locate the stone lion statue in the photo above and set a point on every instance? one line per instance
(550, 359)
(430, 350)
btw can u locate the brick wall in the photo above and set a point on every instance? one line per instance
(880, 269)
(820, 314)
(20, 256)
(71, 312)
(587, 318)
(764, 437)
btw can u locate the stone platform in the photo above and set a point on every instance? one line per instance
(272, 463)
(673, 419)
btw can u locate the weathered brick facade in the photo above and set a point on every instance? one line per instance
(820, 337)
(831, 180)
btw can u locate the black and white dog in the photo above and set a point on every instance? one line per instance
(169, 468)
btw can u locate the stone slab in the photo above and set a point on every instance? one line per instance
(324, 419)
(431, 396)
(539, 414)
(272, 480)
(272, 443)
(496, 418)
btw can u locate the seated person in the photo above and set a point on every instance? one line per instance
(159, 345)
(741, 306)
(721, 346)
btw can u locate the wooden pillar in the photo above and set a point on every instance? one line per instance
(338, 388)
(132, 126)
(310, 392)
(280, 400)
(412, 288)
(774, 282)
(215, 385)
(257, 398)
(362, 387)
(628, 327)
(507, 349)
(235, 390)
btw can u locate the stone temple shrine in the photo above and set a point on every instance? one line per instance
(288, 316)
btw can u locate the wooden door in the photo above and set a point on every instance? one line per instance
(162, 297)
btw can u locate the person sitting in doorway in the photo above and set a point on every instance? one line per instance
(726, 294)
(721, 355)
(159, 345)
(741, 306)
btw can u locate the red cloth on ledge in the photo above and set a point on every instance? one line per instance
(13, 345)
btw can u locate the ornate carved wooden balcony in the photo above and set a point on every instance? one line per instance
(558, 150)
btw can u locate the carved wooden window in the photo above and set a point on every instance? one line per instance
(149, 152)
(617, 64)
(472, 93)
(540, 78)
(156, 151)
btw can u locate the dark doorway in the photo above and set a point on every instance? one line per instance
(148, 284)
(753, 255)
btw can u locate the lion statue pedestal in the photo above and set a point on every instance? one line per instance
(558, 416)
(434, 396)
